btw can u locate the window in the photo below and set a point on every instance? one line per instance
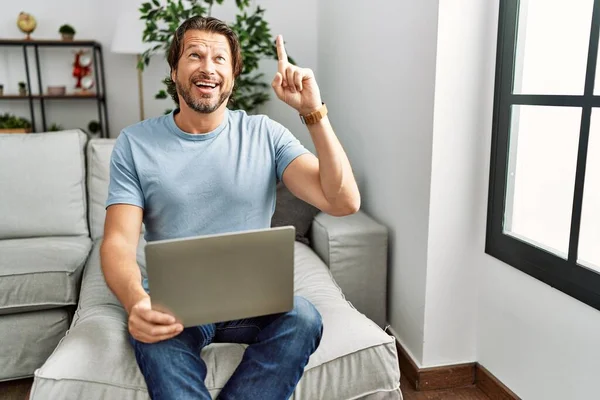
(544, 199)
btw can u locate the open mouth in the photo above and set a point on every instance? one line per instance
(206, 86)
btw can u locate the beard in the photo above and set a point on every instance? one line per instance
(203, 103)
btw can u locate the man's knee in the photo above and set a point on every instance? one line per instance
(308, 319)
(155, 353)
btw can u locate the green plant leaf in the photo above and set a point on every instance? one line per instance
(11, 121)
(145, 7)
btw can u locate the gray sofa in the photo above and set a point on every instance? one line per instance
(60, 323)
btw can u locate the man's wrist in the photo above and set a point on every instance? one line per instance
(307, 110)
(312, 117)
(136, 294)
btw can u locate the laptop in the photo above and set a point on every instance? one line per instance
(216, 278)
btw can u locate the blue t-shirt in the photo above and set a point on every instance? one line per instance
(191, 185)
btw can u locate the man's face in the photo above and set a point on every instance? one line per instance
(204, 74)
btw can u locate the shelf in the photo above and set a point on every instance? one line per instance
(52, 96)
(49, 42)
(30, 49)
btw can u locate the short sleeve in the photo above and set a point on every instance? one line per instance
(124, 185)
(287, 147)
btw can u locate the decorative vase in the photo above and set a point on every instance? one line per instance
(1, 90)
(67, 37)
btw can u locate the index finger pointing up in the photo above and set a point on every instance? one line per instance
(281, 54)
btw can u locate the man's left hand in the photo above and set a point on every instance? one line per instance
(295, 86)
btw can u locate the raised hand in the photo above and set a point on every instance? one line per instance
(295, 86)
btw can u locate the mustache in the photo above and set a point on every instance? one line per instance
(205, 77)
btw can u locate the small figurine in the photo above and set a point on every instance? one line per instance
(26, 23)
(81, 66)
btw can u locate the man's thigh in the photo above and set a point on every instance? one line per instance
(191, 339)
(247, 330)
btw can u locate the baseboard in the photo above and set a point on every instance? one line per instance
(452, 376)
(491, 386)
(435, 378)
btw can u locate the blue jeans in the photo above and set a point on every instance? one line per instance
(273, 363)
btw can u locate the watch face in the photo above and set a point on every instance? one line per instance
(85, 59)
(87, 82)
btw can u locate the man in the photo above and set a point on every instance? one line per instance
(204, 169)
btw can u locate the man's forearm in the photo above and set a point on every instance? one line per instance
(122, 273)
(337, 180)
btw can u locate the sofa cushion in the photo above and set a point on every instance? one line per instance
(94, 291)
(28, 339)
(290, 210)
(41, 273)
(355, 358)
(42, 185)
(355, 249)
(98, 157)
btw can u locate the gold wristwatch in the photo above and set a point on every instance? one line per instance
(315, 116)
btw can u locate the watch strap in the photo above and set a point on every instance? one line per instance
(315, 116)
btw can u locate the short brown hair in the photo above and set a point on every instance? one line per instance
(207, 24)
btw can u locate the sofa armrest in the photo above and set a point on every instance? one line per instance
(355, 249)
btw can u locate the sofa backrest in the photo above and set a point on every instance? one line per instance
(42, 185)
(98, 158)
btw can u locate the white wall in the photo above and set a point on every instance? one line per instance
(377, 75)
(297, 21)
(96, 20)
(425, 175)
(540, 342)
(451, 294)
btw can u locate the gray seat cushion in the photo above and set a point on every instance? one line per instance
(42, 181)
(95, 361)
(28, 339)
(41, 273)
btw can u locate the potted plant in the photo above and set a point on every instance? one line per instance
(67, 32)
(22, 88)
(55, 128)
(94, 127)
(10, 123)
(1, 90)
(163, 18)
